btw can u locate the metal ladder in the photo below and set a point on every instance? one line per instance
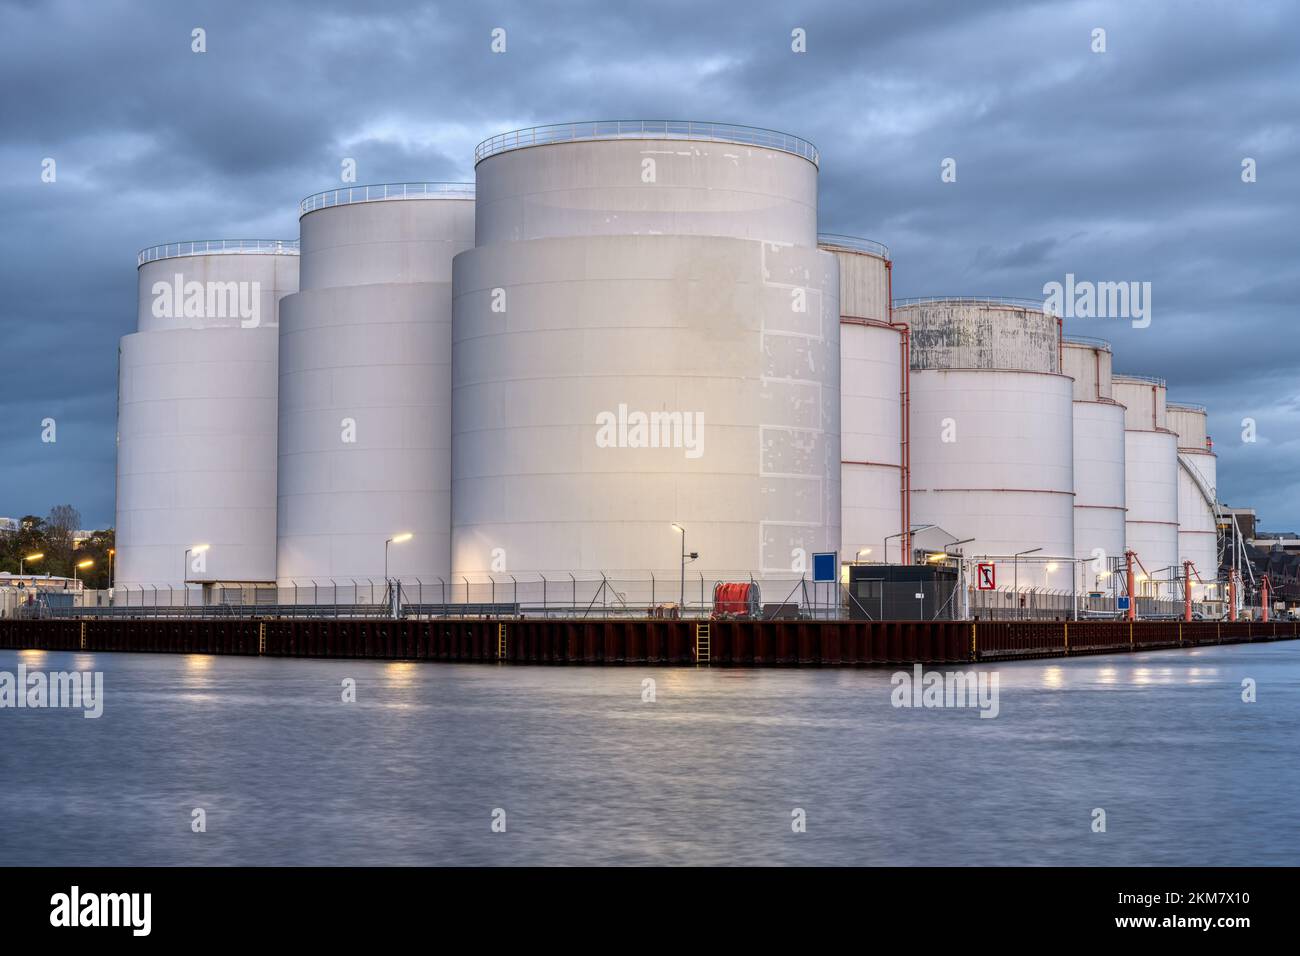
(702, 643)
(501, 642)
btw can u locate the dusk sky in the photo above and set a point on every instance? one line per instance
(1122, 165)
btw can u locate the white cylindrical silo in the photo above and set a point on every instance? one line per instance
(645, 335)
(365, 386)
(1099, 509)
(1150, 483)
(991, 434)
(196, 456)
(871, 378)
(1197, 494)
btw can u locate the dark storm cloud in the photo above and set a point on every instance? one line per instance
(1123, 165)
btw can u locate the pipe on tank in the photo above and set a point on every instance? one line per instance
(905, 415)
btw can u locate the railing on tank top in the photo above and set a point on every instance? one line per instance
(646, 129)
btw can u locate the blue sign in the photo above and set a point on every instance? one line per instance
(1123, 604)
(824, 567)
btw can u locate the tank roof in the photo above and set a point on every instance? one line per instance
(645, 129)
(378, 192)
(1086, 341)
(1036, 305)
(854, 244)
(1143, 379)
(214, 247)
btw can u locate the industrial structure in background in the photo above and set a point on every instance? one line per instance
(646, 346)
(197, 396)
(619, 374)
(365, 383)
(1099, 459)
(991, 434)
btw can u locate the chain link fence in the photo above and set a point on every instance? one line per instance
(574, 596)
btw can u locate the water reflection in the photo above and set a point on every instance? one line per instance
(591, 771)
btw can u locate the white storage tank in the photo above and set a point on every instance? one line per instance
(1099, 509)
(196, 455)
(871, 416)
(646, 334)
(1150, 483)
(365, 386)
(1197, 494)
(992, 434)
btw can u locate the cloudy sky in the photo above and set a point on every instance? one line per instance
(1114, 166)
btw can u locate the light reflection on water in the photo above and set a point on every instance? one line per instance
(708, 773)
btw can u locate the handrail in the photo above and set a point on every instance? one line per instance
(1147, 379)
(1188, 407)
(207, 247)
(1086, 340)
(645, 129)
(1037, 305)
(377, 192)
(869, 246)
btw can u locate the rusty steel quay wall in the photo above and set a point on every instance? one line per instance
(741, 643)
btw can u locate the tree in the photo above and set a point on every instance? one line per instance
(60, 526)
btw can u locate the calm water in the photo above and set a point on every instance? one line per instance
(709, 773)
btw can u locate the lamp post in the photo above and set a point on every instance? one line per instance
(82, 564)
(961, 574)
(31, 557)
(681, 600)
(185, 574)
(1015, 575)
(395, 539)
(111, 552)
(909, 531)
(393, 593)
(860, 553)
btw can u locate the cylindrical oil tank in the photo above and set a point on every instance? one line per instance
(992, 434)
(1099, 509)
(196, 436)
(365, 386)
(871, 379)
(1150, 483)
(646, 335)
(1197, 494)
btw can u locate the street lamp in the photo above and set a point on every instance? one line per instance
(31, 557)
(111, 552)
(1015, 575)
(909, 531)
(962, 580)
(860, 553)
(681, 600)
(83, 564)
(395, 539)
(185, 573)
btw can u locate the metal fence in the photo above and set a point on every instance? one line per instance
(1006, 604)
(571, 596)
